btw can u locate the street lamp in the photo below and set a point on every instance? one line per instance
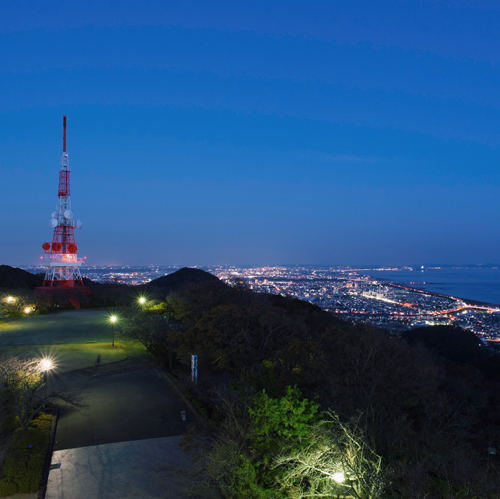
(10, 299)
(142, 300)
(27, 310)
(113, 319)
(45, 366)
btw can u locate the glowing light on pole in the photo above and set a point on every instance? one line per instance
(10, 299)
(27, 310)
(142, 300)
(113, 319)
(46, 365)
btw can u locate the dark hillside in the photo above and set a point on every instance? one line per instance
(180, 282)
(89, 283)
(428, 406)
(182, 277)
(14, 278)
(315, 317)
(453, 343)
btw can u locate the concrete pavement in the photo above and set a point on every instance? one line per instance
(125, 470)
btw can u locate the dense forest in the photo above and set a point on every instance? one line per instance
(301, 404)
(298, 403)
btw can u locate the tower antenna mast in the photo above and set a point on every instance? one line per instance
(63, 281)
(64, 133)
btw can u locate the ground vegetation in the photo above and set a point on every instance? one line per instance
(24, 392)
(395, 416)
(22, 471)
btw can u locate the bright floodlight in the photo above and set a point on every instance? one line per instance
(10, 299)
(113, 318)
(46, 364)
(27, 310)
(142, 300)
(339, 476)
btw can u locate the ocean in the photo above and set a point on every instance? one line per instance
(481, 284)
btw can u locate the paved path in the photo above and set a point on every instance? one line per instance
(131, 425)
(125, 470)
(131, 405)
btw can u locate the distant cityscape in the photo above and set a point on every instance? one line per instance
(346, 292)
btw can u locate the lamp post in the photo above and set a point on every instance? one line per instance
(46, 365)
(142, 301)
(113, 319)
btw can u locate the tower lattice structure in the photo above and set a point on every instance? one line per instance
(63, 280)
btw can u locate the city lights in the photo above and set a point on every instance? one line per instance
(347, 292)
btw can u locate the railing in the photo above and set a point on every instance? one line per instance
(65, 258)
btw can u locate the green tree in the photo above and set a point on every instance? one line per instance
(240, 459)
(336, 462)
(285, 448)
(24, 392)
(275, 423)
(287, 418)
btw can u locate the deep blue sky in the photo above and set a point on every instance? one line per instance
(262, 132)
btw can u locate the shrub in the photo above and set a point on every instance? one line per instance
(15, 313)
(7, 488)
(23, 467)
(199, 406)
(42, 422)
(8, 425)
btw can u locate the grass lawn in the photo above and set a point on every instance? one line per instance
(71, 339)
(6, 323)
(72, 356)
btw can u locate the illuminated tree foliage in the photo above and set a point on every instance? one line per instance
(24, 392)
(21, 385)
(338, 462)
(285, 448)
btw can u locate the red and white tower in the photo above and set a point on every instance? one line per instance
(63, 281)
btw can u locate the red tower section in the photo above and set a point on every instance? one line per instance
(63, 281)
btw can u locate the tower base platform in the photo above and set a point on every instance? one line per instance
(61, 296)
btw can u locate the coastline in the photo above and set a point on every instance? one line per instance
(467, 301)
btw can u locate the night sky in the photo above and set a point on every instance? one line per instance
(260, 132)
